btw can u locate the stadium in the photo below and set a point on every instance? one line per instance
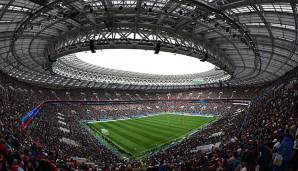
(190, 85)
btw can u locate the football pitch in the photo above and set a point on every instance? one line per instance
(138, 136)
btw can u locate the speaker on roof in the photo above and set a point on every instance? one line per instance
(206, 56)
(157, 47)
(225, 68)
(220, 84)
(91, 10)
(46, 67)
(52, 72)
(50, 59)
(40, 2)
(109, 25)
(92, 47)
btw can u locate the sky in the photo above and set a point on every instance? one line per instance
(145, 61)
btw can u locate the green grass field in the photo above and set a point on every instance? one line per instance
(139, 135)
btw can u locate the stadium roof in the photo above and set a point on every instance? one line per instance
(252, 41)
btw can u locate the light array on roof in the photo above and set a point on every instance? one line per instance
(254, 43)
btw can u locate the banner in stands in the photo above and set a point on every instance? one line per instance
(30, 116)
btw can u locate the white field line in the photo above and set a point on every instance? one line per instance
(143, 116)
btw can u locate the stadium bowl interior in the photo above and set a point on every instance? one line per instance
(60, 112)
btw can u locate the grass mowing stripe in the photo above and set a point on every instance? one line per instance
(137, 132)
(116, 133)
(176, 125)
(157, 129)
(162, 123)
(187, 119)
(149, 128)
(115, 127)
(146, 134)
(139, 139)
(150, 137)
(149, 131)
(191, 119)
(157, 126)
(174, 122)
(170, 118)
(158, 123)
(120, 141)
(138, 135)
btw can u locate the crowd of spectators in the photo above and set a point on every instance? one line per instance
(54, 117)
(266, 139)
(262, 137)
